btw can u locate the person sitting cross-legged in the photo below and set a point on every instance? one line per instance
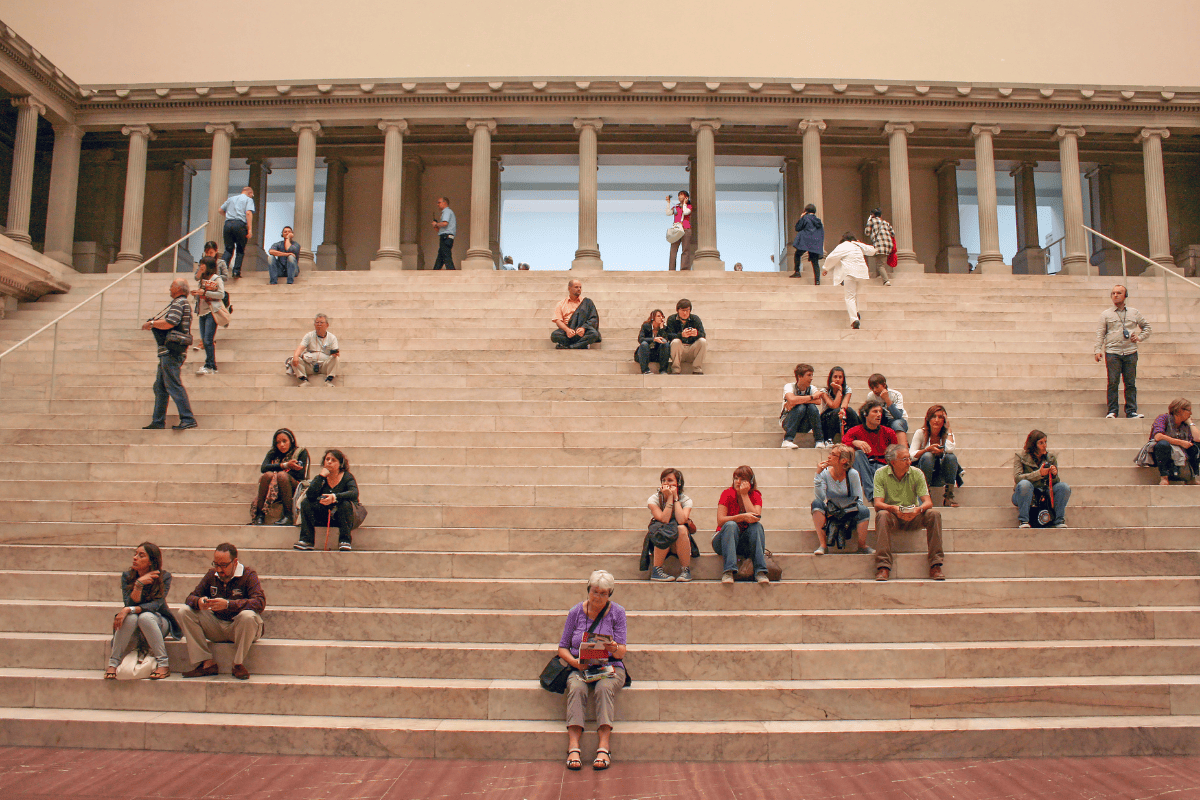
(902, 503)
(871, 439)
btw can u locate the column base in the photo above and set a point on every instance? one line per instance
(478, 259)
(411, 253)
(306, 260)
(1075, 265)
(992, 264)
(330, 257)
(1030, 261)
(21, 237)
(906, 263)
(1166, 261)
(708, 261)
(587, 260)
(125, 262)
(952, 260)
(387, 260)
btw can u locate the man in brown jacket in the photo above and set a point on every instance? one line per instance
(226, 606)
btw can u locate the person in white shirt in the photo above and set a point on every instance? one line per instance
(932, 450)
(317, 353)
(894, 415)
(799, 413)
(848, 263)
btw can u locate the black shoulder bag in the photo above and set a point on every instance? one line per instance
(555, 673)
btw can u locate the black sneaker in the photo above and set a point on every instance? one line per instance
(153, 426)
(302, 545)
(284, 520)
(258, 519)
(854, 325)
(183, 427)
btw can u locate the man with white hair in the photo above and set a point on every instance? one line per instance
(902, 503)
(172, 330)
(317, 353)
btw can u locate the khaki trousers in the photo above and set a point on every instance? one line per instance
(329, 365)
(202, 627)
(605, 693)
(879, 267)
(693, 352)
(886, 524)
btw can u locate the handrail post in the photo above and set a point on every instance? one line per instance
(1167, 298)
(100, 325)
(1124, 274)
(53, 364)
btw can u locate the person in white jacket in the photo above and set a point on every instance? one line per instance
(848, 263)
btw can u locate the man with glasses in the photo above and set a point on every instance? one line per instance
(1121, 329)
(226, 606)
(902, 504)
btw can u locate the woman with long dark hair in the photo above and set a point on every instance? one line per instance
(210, 290)
(329, 501)
(653, 344)
(144, 589)
(283, 468)
(1033, 468)
(932, 450)
(681, 213)
(670, 511)
(837, 416)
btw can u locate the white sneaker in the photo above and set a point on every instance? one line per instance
(1023, 525)
(204, 371)
(1110, 416)
(1136, 415)
(887, 283)
(820, 551)
(789, 445)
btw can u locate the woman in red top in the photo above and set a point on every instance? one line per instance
(681, 212)
(739, 526)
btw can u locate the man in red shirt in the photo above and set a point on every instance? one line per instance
(871, 440)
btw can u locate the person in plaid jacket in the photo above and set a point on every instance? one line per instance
(879, 232)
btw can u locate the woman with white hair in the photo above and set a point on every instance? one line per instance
(601, 624)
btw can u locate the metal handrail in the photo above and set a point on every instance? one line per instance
(140, 269)
(1164, 270)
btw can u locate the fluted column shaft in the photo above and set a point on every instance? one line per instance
(410, 212)
(135, 195)
(218, 179)
(868, 172)
(811, 155)
(389, 256)
(990, 258)
(952, 256)
(20, 192)
(259, 178)
(705, 202)
(587, 256)
(1075, 256)
(1156, 194)
(64, 189)
(479, 254)
(901, 194)
(306, 174)
(494, 209)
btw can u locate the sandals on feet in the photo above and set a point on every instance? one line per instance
(602, 760)
(949, 502)
(110, 674)
(574, 762)
(160, 673)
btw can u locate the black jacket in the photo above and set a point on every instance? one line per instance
(675, 328)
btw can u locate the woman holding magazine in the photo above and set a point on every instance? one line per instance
(593, 642)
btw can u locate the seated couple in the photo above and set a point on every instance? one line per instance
(825, 411)
(672, 342)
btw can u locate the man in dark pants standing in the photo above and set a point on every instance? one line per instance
(1117, 338)
(171, 355)
(239, 218)
(447, 227)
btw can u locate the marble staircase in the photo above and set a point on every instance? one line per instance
(499, 472)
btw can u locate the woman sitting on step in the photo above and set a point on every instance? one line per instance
(670, 529)
(598, 664)
(331, 500)
(1172, 446)
(932, 451)
(144, 619)
(839, 486)
(1033, 470)
(283, 468)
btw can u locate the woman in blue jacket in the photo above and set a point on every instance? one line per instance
(810, 239)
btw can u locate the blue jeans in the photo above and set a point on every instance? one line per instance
(1122, 368)
(939, 470)
(647, 351)
(168, 384)
(866, 473)
(208, 331)
(1023, 498)
(278, 267)
(894, 419)
(730, 542)
(801, 419)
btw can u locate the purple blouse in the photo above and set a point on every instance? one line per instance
(578, 623)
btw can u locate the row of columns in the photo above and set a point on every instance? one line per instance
(397, 242)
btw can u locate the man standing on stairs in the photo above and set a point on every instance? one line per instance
(1117, 337)
(173, 333)
(576, 320)
(226, 606)
(239, 223)
(447, 227)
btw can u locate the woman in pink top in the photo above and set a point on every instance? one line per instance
(681, 212)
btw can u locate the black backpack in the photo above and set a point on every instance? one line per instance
(841, 520)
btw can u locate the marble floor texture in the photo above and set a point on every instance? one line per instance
(27, 773)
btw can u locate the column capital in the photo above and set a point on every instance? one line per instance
(29, 102)
(262, 161)
(66, 129)
(805, 124)
(1098, 170)
(869, 163)
(947, 164)
(1064, 132)
(336, 162)
(187, 168)
(490, 124)
(979, 130)
(387, 124)
(1147, 133)
(312, 125)
(142, 130)
(893, 127)
(1022, 166)
(228, 128)
(594, 123)
(416, 162)
(711, 124)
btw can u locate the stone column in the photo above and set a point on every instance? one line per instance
(130, 254)
(494, 208)
(218, 180)
(706, 256)
(868, 171)
(64, 191)
(178, 215)
(1156, 194)
(1075, 257)
(306, 173)
(256, 258)
(587, 256)
(1105, 257)
(691, 188)
(410, 213)
(813, 188)
(793, 188)
(1030, 259)
(389, 256)
(20, 189)
(330, 255)
(901, 196)
(991, 261)
(479, 254)
(952, 256)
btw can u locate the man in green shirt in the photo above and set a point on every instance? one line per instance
(902, 504)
